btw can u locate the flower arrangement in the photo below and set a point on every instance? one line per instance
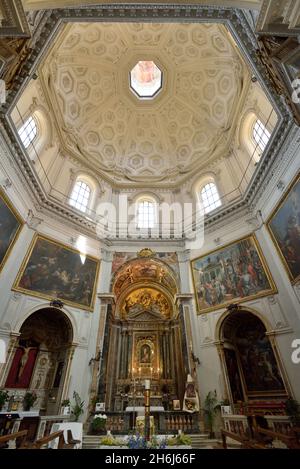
(99, 422)
(29, 399)
(140, 442)
(4, 396)
(110, 440)
(179, 440)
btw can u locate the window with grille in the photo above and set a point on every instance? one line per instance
(80, 196)
(146, 214)
(210, 197)
(28, 132)
(261, 135)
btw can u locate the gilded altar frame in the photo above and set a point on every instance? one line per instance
(20, 221)
(280, 205)
(17, 287)
(267, 272)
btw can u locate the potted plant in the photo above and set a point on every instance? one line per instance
(292, 409)
(4, 396)
(77, 408)
(66, 409)
(28, 400)
(99, 423)
(211, 406)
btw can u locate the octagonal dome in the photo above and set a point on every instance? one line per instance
(145, 79)
(144, 103)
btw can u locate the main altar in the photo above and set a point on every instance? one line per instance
(145, 339)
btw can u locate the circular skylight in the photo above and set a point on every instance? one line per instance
(145, 79)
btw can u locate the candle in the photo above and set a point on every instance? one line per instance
(147, 383)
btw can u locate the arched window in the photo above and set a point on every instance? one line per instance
(28, 132)
(210, 197)
(146, 214)
(261, 135)
(80, 196)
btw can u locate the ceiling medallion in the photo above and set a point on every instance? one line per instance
(145, 79)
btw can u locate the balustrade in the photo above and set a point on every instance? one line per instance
(165, 422)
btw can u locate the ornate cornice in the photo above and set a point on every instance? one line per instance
(46, 28)
(14, 22)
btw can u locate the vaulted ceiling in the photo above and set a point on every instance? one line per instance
(102, 123)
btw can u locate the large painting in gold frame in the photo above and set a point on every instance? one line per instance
(52, 270)
(233, 273)
(10, 226)
(284, 228)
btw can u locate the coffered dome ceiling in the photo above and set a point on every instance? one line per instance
(105, 126)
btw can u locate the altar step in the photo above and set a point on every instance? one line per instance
(202, 441)
(199, 441)
(91, 441)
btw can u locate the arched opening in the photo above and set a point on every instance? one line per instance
(207, 193)
(250, 363)
(146, 212)
(28, 131)
(80, 196)
(40, 359)
(144, 340)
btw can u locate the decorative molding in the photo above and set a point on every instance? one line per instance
(13, 22)
(16, 296)
(281, 185)
(6, 183)
(32, 221)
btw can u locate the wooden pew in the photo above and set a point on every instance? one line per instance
(291, 440)
(246, 442)
(13, 436)
(71, 442)
(38, 444)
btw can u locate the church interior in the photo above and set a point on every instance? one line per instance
(150, 224)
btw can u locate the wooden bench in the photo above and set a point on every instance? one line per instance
(62, 444)
(38, 444)
(291, 440)
(14, 436)
(246, 442)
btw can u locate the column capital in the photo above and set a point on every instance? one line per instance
(107, 298)
(181, 298)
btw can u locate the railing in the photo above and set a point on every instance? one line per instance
(14, 440)
(182, 421)
(279, 423)
(245, 441)
(236, 424)
(46, 422)
(167, 422)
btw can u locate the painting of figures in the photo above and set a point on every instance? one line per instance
(54, 271)
(260, 369)
(10, 226)
(234, 273)
(284, 227)
(233, 375)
